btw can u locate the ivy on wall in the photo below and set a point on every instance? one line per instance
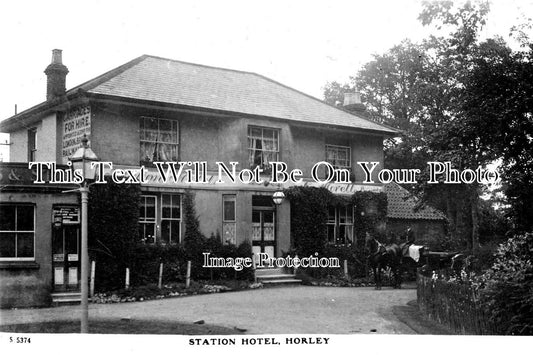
(113, 230)
(309, 215)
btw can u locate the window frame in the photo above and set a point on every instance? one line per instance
(337, 224)
(349, 158)
(158, 141)
(15, 258)
(251, 151)
(32, 149)
(180, 219)
(232, 222)
(146, 221)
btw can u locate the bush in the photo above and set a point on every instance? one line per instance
(113, 230)
(508, 286)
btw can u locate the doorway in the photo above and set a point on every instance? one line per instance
(263, 226)
(66, 253)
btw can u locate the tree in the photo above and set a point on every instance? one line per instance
(427, 90)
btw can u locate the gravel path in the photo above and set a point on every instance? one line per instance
(290, 310)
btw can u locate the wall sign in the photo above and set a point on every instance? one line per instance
(67, 215)
(76, 123)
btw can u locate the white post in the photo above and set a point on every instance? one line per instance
(346, 268)
(127, 286)
(93, 267)
(160, 283)
(188, 278)
(84, 327)
(254, 267)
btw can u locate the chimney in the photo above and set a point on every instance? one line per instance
(56, 74)
(352, 102)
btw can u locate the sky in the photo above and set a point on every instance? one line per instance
(302, 44)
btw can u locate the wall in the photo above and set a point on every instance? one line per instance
(24, 284)
(46, 138)
(18, 150)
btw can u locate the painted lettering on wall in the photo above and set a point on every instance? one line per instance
(76, 123)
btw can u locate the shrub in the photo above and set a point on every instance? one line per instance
(113, 230)
(508, 286)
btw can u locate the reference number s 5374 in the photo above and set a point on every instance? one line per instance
(20, 340)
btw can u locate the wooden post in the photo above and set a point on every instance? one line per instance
(188, 278)
(346, 268)
(127, 286)
(253, 266)
(160, 283)
(93, 267)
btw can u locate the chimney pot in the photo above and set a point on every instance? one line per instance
(57, 56)
(352, 98)
(352, 102)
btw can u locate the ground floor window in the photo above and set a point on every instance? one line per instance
(17, 231)
(147, 219)
(229, 220)
(168, 218)
(340, 225)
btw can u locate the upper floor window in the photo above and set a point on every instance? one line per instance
(339, 156)
(263, 146)
(159, 140)
(17, 231)
(32, 144)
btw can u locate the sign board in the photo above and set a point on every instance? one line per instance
(68, 215)
(59, 258)
(73, 257)
(154, 179)
(76, 123)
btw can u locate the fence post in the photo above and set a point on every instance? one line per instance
(188, 278)
(346, 268)
(93, 267)
(254, 268)
(127, 286)
(160, 283)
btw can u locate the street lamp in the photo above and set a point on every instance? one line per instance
(278, 197)
(81, 160)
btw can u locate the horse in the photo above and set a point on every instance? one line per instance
(381, 256)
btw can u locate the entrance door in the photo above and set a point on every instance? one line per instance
(66, 257)
(264, 231)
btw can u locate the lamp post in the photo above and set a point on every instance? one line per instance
(81, 160)
(278, 198)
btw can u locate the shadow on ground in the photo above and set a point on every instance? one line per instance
(121, 327)
(411, 315)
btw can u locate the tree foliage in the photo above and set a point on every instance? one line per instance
(507, 287)
(454, 98)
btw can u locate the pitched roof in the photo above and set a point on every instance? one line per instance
(174, 82)
(403, 205)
